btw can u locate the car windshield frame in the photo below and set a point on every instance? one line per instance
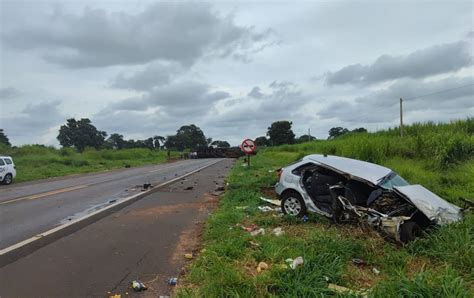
(392, 180)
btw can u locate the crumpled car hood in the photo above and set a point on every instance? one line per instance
(434, 207)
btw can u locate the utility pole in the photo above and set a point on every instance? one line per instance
(401, 117)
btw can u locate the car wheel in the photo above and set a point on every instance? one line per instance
(409, 231)
(292, 204)
(8, 179)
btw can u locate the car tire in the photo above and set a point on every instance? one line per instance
(409, 231)
(292, 204)
(8, 179)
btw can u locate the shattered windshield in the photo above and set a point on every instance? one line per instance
(391, 180)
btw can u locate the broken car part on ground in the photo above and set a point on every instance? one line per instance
(349, 190)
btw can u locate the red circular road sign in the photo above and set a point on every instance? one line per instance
(248, 146)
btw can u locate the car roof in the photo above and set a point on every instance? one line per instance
(5, 156)
(365, 170)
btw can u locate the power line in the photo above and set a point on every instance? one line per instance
(438, 92)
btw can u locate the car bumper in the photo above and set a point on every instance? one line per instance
(279, 188)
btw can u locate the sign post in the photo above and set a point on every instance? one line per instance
(248, 146)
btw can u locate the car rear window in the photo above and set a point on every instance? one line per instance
(8, 161)
(298, 170)
(2, 163)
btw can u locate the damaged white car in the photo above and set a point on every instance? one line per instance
(347, 189)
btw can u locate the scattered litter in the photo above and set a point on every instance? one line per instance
(376, 271)
(188, 256)
(283, 266)
(296, 262)
(250, 228)
(265, 208)
(115, 296)
(262, 266)
(244, 165)
(258, 232)
(273, 202)
(173, 281)
(112, 201)
(162, 296)
(326, 278)
(271, 171)
(146, 185)
(254, 244)
(345, 290)
(289, 260)
(359, 262)
(189, 188)
(220, 188)
(305, 218)
(138, 286)
(241, 207)
(277, 231)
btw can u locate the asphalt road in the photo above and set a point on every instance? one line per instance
(27, 209)
(144, 241)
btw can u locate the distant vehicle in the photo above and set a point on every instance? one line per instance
(7, 170)
(348, 190)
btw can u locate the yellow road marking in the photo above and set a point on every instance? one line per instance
(45, 194)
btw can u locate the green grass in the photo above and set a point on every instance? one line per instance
(38, 162)
(438, 265)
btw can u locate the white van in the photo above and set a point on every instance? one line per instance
(7, 170)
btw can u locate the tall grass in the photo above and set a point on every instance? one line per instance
(37, 162)
(444, 145)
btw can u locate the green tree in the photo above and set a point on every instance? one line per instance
(116, 141)
(305, 138)
(262, 141)
(220, 144)
(4, 139)
(337, 132)
(80, 134)
(360, 129)
(280, 133)
(159, 142)
(187, 137)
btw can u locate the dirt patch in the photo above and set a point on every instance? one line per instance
(269, 193)
(416, 265)
(361, 278)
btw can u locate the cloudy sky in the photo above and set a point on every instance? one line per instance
(144, 68)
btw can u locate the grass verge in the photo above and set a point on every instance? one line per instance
(38, 162)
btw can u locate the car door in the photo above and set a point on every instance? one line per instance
(3, 168)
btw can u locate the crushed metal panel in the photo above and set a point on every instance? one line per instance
(434, 207)
(391, 226)
(357, 168)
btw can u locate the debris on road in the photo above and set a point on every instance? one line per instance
(254, 244)
(188, 256)
(344, 290)
(277, 231)
(220, 188)
(305, 218)
(146, 186)
(260, 231)
(138, 286)
(273, 202)
(262, 266)
(173, 281)
(295, 263)
(375, 271)
(265, 208)
(358, 262)
(189, 188)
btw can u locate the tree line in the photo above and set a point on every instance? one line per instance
(81, 134)
(280, 133)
